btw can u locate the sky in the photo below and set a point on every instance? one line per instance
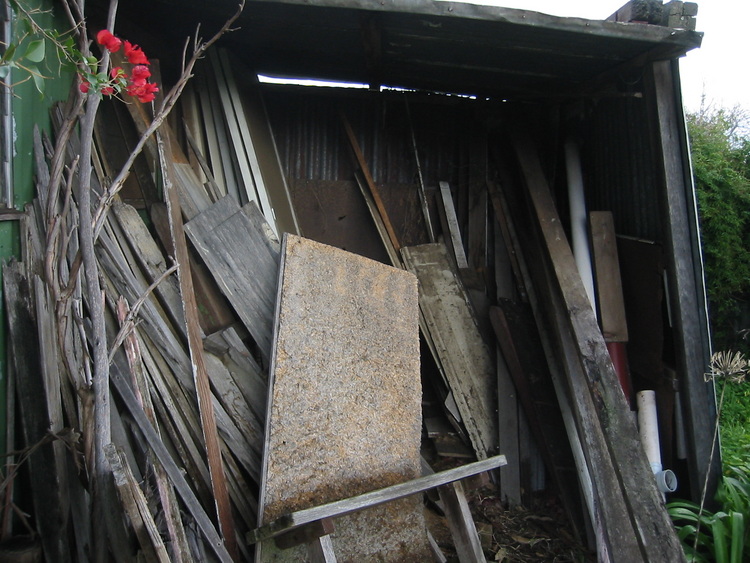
(717, 69)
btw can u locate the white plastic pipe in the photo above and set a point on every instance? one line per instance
(648, 427)
(578, 218)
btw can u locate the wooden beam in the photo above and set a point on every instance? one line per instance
(687, 297)
(631, 514)
(347, 506)
(195, 344)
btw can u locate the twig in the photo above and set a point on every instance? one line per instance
(128, 324)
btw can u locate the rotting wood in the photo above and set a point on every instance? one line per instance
(35, 420)
(458, 342)
(192, 504)
(634, 523)
(173, 520)
(136, 507)
(335, 509)
(195, 345)
(246, 274)
(463, 529)
(685, 274)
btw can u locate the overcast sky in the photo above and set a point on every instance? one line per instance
(719, 68)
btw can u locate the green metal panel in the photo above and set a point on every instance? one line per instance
(29, 109)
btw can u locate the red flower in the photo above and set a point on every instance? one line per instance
(144, 92)
(109, 41)
(135, 55)
(108, 90)
(84, 86)
(139, 73)
(116, 72)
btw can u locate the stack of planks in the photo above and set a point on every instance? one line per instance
(191, 353)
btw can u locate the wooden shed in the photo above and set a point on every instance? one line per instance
(539, 164)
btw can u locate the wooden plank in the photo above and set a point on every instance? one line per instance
(451, 226)
(461, 523)
(195, 345)
(522, 349)
(245, 89)
(633, 519)
(192, 505)
(171, 509)
(215, 312)
(459, 345)
(685, 275)
(247, 273)
(35, 418)
(365, 169)
(339, 508)
(136, 508)
(608, 281)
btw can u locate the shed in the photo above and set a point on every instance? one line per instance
(500, 134)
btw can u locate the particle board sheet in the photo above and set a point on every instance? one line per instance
(344, 414)
(461, 349)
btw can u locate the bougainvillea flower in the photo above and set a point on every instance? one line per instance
(108, 90)
(117, 72)
(139, 73)
(84, 87)
(144, 92)
(135, 55)
(108, 41)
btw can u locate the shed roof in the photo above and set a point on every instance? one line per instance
(430, 45)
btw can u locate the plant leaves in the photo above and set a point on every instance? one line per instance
(35, 51)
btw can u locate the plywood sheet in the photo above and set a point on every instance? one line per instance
(345, 395)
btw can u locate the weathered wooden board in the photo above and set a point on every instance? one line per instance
(685, 275)
(608, 282)
(459, 345)
(34, 413)
(258, 137)
(344, 412)
(237, 250)
(633, 522)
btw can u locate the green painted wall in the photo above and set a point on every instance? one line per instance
(30, 108)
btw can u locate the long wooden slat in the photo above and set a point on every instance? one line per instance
(634, 521)
(192, 505)
(136, 507)
(459, 345)
(365, 169)
(685, 274)
(35, 418)
(373, 498)
(244, 88)
(195, 344)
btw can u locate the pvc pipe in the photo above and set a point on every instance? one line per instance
(648, 427)
(579, 219)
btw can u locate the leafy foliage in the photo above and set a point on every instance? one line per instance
(723, 536)
(721, 164)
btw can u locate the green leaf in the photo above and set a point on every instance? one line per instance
(10, 51)
(738, 537)
(4, 71)
(35, 51)
(38, 80)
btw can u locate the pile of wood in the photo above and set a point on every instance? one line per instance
(190, 353)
